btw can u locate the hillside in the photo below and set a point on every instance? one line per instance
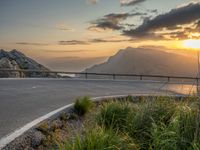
(17, 60)
(148, 61)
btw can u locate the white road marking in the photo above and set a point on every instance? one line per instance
(12, 136)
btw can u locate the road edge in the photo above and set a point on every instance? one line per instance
(4, 141)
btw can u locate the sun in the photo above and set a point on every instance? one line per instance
(194, 44)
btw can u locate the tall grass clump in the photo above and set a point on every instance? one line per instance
(100, 139)
(157, 111)
(183, 131)
(83, 105)
(114, 115)
(188, 128)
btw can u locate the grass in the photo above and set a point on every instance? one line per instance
(159, 123)
(83, 105)
(99, 139)
(158, 111)
(114, 115)
(182, 133)
(51, 135)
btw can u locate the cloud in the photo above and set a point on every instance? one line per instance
(66, 51)
(99, 40)
(130, 2)
(63, 27)
(181, 16)
(92, 41)
(112, 21)
(122, 2)
(73, 42)
(32, 44)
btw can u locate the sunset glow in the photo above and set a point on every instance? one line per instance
(56, 34)
(194, 44)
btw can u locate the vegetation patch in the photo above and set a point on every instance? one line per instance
(148, 123)
(132, 123)
(83, 105)
(99, 138)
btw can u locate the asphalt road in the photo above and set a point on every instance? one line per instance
(23, 100)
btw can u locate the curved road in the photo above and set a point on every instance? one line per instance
(23, 100)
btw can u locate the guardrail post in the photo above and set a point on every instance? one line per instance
(56, 75)
(86, 75)
(140, 77)
(20, 74)
(197, 87)
(114, 76)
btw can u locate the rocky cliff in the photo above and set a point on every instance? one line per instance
(17, 60)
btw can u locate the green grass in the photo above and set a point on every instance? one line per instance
(160, 123)
(83, 105)
(158, 111)
(114, 115)
(100, 139)
(182, 133)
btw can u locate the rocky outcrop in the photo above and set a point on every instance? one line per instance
(17, 60)
(8, 64)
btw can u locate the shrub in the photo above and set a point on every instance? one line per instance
(73, 116)
(83, 105)
(44, 127)
(64, 117)
(129, 98)
(114, 115)
(50, 140)
(100, 139)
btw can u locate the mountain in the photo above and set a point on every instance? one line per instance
(148, 62)
(17, 60)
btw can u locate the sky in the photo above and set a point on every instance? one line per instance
(71, 35)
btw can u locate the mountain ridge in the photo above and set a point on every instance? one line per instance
(147, 62)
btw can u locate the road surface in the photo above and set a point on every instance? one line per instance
(23, 100)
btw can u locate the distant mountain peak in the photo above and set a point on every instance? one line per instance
(147, 61)
(17, 53)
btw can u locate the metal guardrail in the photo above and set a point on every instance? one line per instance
(86, 74)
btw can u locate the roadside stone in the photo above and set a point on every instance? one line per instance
(37, 138)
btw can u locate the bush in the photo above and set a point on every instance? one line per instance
(100, 139)
(114, 115)
(83, 105)
(50, 140)
(44, 127)
(64, 117)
